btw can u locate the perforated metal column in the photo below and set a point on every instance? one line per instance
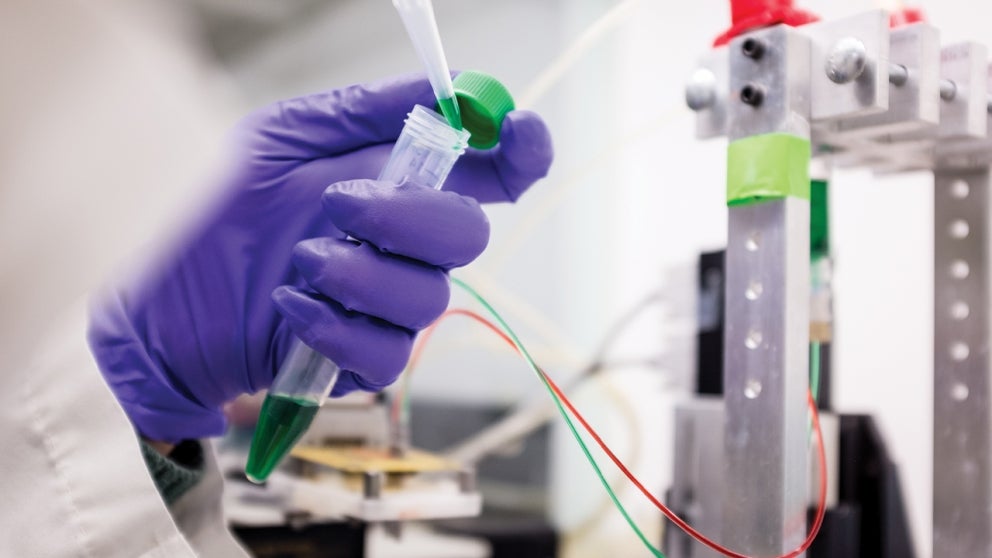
(766, 342)
(962, 492)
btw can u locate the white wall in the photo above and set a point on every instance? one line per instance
(638, 196)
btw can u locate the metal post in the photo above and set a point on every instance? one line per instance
(962, 487)
(766, 377)
(767, 332)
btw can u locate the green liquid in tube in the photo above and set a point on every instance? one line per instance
(449, 108)
(281, 423)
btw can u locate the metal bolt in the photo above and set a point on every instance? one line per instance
(752, 95)
(753, 48)
(948, 90)
(372, 484)
(700, 92)
(399, 442)
(847, 60)
(466, 480)
(898, 75)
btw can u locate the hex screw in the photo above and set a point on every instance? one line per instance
(752, 94)
(753, 48)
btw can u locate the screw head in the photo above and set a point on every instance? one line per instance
(847, 60)
(948, 90)
(752, 94)
(753, 48)
(700, 92)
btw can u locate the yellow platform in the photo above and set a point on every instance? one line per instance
(359, 459)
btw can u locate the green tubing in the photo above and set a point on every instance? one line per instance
(561, 410)
(767, 167)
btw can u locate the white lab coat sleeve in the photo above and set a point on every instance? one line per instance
(73, 479)
(200, 516)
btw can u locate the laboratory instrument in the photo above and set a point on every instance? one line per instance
(875, 91)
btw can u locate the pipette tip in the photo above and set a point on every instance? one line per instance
(449, 108)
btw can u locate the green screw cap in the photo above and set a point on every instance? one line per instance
(483, 102)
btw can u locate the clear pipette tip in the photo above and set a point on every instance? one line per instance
(418, 18)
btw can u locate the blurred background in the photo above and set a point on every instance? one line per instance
(631, 202)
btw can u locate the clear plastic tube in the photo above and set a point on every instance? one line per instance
(424, 154)
(426, 150)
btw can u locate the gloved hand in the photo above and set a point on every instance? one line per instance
(272, 261)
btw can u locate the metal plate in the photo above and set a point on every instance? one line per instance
(962, 437)
(969, 153)
(919, 130)
(963, 119)
(959, 141)
(697, 476)
(766, 363)
(884, 157)
(830, 428)
(964, 116)
(782, 73)
(867, 94)
(913, 106)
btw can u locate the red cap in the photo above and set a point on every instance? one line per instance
(906, 16)
(748, 15)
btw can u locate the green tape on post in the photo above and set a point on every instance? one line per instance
(767, 167)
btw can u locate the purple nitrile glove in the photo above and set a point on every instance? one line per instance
(272, 262)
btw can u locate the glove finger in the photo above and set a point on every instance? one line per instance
(314, 176)
(349, 382)
(370, 347)
(326, 124)
(440, 228)
(362, 279)
(522, 157)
